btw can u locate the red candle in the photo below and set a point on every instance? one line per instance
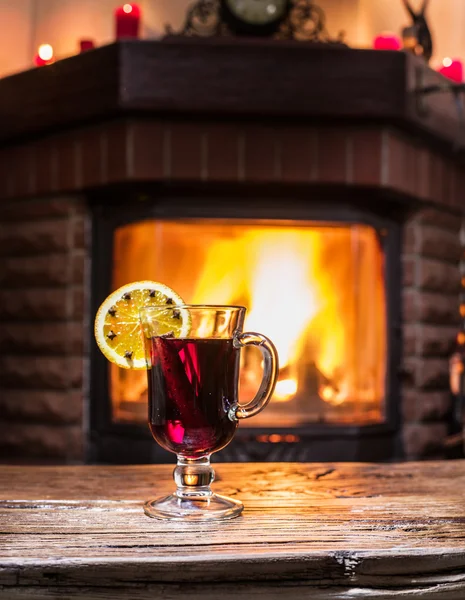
(127, 21)
(85, 45)
(387, 41)
(453, 69)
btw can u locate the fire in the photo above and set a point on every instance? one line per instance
(316, 291)
(282, 298)
(271, 277)
(285, 389)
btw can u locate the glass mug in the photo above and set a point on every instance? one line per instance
(193, 400)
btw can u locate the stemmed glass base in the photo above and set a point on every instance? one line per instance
(193, 499)
(215, 508)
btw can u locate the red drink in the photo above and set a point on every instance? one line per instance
(192, 386)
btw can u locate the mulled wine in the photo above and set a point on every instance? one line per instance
(193, 398)
(192, 386)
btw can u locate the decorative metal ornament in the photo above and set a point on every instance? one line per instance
(306, 21)
(202, 19)
(417, 38)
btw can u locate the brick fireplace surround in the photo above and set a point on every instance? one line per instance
(129, 133)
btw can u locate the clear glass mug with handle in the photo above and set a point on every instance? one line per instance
(193, 399)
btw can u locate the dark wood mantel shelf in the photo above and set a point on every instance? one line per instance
(228, 79)
(326, 532)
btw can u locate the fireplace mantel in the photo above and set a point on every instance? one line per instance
(210, 111)
(220, 129)
(224, 78)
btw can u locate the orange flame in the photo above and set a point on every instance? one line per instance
(316, 291)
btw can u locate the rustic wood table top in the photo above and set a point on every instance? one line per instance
(317, 531)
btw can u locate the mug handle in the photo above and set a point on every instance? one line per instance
(270, 375)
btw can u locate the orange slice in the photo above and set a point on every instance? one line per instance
(117, 326)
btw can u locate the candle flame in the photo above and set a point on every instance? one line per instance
(127, 8)
(447, 62)
(45, 52)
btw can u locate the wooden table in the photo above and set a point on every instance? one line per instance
(308, 531)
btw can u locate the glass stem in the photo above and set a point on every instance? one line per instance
(193, 478)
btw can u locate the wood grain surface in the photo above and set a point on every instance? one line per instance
(324, 531)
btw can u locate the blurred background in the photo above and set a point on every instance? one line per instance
(26, 24)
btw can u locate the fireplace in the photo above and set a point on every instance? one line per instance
(336, 223)
(316, 287)
(322, 279)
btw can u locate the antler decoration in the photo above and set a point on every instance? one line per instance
(417, 37)
(409, 9)
(412, 13)
(424, 7)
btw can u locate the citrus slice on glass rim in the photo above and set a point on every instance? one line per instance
(118, 331)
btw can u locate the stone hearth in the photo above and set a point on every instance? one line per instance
(51, 170)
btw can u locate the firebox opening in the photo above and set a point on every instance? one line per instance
(316, 289)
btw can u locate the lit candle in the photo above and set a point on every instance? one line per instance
(85, 45)
(127, 21)
(387, 41)
(453, 69)
(44, 55)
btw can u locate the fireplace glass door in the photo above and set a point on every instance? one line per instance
(316, 289)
